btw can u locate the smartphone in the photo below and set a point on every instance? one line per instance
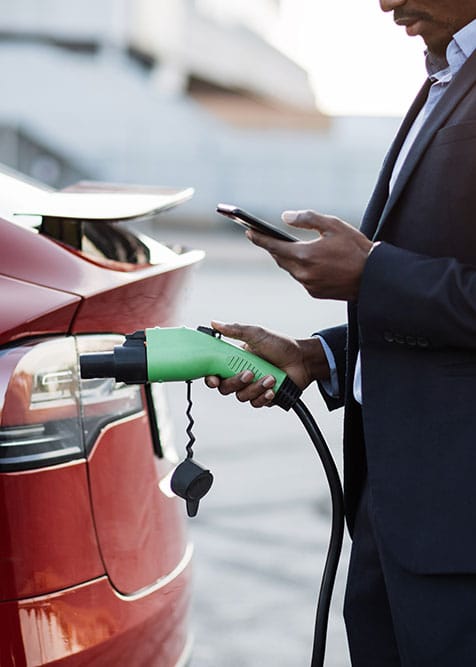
(252, 222)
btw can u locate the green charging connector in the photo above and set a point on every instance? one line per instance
(162, 354)
(187, 354)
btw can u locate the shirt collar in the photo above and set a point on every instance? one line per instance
(458, 51)
(466, 39)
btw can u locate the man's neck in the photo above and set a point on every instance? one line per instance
(435, 63)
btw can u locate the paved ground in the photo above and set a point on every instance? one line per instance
(262, 532)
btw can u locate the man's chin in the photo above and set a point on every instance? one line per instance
(437, 43)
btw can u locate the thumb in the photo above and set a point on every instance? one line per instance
(236, 331)
(251, 335)
(308, 220)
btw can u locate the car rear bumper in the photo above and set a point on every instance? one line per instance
(92, 625)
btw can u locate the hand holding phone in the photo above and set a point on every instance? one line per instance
(250, 221)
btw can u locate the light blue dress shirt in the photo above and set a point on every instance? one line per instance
(441, 71)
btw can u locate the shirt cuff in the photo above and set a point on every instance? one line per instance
(331, 386)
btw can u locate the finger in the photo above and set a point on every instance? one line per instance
(264, 400)
(274, 246)
(309, 220)
(259, 393)
(236, 383)
(212, 381)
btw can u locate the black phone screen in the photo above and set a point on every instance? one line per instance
(250, 221)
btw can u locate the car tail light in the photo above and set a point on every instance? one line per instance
(40, 422)
(48, 414)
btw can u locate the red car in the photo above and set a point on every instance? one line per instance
(94, 555)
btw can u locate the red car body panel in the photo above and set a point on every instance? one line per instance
(31, 503)
(37, 259)
(131, 529)
(112, 300)
(92, 626)
(94, 554)
(146, 302)
(48, 311)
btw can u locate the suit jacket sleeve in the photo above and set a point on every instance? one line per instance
(416, 300)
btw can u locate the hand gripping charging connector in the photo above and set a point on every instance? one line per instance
(175, 354)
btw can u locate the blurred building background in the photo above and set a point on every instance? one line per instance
(180, 93)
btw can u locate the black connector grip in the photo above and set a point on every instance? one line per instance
(97, 365)
(288, 394)
(127, 363)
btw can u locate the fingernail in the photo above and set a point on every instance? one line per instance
(247, 376)
(269, 395)
(289, 216)
(268, 381)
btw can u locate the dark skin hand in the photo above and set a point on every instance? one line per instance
(328, 267)
(303, 361)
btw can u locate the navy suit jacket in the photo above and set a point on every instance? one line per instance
(415, 325)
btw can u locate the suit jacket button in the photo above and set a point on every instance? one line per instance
(411, 341)
(388, 337)
(423, 342)
(400, 339)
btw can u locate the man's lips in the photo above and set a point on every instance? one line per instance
(411, 23)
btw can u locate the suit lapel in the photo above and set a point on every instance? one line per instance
(462, 83)
(380, 194)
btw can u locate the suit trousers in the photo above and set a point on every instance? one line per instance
(396, 618)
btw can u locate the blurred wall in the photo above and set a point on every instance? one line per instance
(105, 87)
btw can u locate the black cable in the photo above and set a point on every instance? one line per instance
(191, 421)
(337, 533)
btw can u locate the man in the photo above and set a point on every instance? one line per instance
(405, 365)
